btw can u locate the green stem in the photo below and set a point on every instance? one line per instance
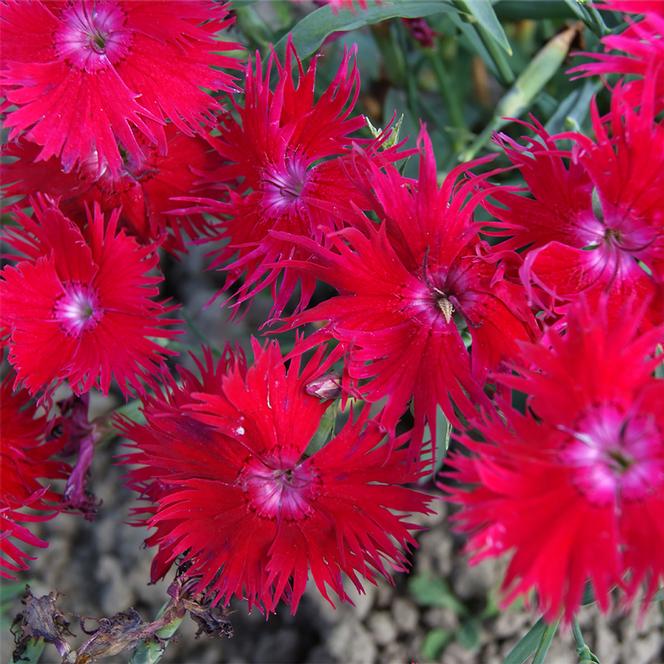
(451, 101)
(585, 654)
(151, 650)
(545, 643)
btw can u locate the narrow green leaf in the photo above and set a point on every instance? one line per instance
(312, 30)
(527, 645)
(545, 643)
(325, 430)
(482, 11)
(589, 15)
(573, 110)
(527, 86)
(440, 443)
(517, 10)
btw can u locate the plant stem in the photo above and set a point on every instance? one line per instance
(151, 650)
(451, 101)
(586, 656)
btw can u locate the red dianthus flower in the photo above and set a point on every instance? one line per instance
(25, 459)
(595, 217)
(573, 489)
(85, 75)
(143, 191)
(78, 305)
(237, 498)
(407, 286)
(288, 159)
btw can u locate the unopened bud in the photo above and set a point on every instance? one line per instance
(327, 386)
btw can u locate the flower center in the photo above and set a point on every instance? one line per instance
(92, 34)
(283, 185)
(277, 489)
(444, 304)
(616, 455)
(78, 309)
(615, 231)
(433, 305)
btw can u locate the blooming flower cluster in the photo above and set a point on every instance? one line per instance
(431, 307)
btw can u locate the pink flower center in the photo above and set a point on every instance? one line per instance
(279, 489)
(616, 234)
(92, 34)
(433, 299)
(616, 455)
(283, 185)
(78, 309)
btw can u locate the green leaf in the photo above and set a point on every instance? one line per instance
(427, 591)
(468, 637)
(527, 86)
(518, 10)
(325, 430)
(482, 11)
(545, 643)
(440, 442)
(313, 29)
(589, 15)
(573, 110)
(527, 645)
(434, 643)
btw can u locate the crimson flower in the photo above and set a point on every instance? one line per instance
(78, 307)
(243, 506)
(408, 289)
(85, 75)
(142, 190)
(25, 459)
(594, 219)
(573, 488)
(288, 164)
(642, 49)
